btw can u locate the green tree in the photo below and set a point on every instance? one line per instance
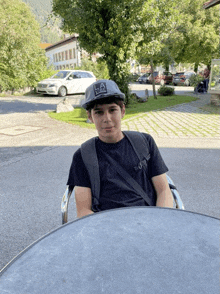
(110, 27)
(196, 38)
(22, 61)
(159, 19)
(99, 68)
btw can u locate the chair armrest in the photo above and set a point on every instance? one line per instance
(65, 203)
(70, 190)
(176, 196)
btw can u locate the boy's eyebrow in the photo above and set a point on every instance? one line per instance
(97, 107)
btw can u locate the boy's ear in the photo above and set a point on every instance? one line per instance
(89, 116)
(123, 111)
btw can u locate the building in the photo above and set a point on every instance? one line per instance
(211, 3)
(64, 54)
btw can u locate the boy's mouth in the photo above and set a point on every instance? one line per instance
(108, 128)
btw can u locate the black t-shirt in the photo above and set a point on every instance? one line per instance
(115, 192)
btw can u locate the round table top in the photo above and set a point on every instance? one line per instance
(130, 250)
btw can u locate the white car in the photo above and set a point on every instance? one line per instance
(66, 82)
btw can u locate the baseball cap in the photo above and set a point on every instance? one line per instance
(102, 89)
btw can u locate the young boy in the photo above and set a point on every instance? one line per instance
(105, 107)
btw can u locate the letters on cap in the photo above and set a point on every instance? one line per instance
(100, 88)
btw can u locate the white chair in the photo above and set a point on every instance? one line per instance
(66, 197)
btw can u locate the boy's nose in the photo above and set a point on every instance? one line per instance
(106, 116)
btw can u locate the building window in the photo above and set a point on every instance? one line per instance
(60, 57)
(74, 53)
(66, 55)
(70, 54)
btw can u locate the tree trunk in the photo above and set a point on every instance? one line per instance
(153, 81)
(119, 72)
(196, 67)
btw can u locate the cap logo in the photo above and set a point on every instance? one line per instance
(100, 88)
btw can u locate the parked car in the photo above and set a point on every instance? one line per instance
(134, 77)
(66, 82)
(182, 78)
(144, 78)
(161, 78)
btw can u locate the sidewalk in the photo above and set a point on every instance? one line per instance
(183, 126)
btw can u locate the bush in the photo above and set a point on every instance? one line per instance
(166, 91)
(194, 80)
(99, 68)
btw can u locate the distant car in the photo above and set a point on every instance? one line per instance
(182, 78)
(66, 82)
(134, 77)
(144, 78)
(161, 78)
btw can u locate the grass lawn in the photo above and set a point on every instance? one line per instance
(79, 116)
(211, 108)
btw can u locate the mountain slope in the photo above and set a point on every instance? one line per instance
(41, 8)
(50, 31)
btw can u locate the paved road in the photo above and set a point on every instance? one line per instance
(36, 152)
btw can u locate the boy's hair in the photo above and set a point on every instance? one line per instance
(107, 100)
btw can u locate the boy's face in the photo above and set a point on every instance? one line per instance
(107, 119)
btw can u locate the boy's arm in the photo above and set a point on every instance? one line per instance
(83, 198)
(164, 194)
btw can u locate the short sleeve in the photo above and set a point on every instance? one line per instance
(78, 174)
(156, 163)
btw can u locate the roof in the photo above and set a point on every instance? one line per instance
(63, 42)
(44, 45)
(211, 3)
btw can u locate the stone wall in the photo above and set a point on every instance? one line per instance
(20, 91)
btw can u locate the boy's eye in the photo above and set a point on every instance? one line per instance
(98, 112)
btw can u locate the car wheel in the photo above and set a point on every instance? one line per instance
(162, 82)
(62, 91)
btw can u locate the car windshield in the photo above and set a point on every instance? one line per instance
(179, 74)
(61, 75)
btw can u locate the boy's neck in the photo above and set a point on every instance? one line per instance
(113, 139)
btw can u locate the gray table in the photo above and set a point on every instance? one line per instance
(131, 250)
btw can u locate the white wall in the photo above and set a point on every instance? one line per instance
(64, 56)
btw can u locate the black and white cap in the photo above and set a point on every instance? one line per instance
(102, 89)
